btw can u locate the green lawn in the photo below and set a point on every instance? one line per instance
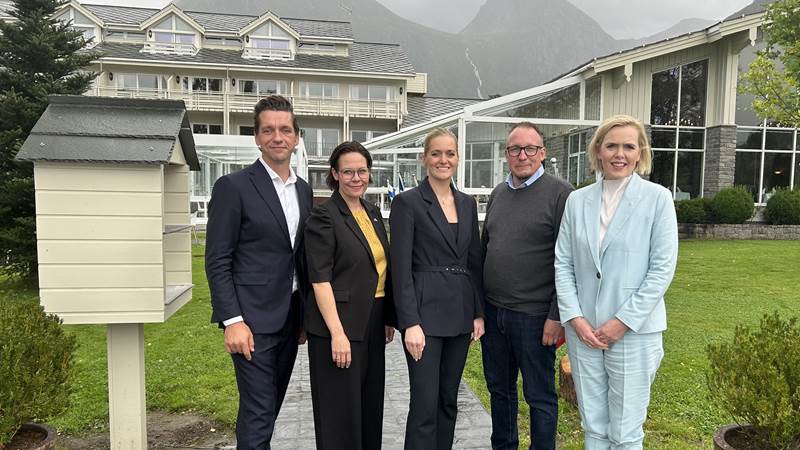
(718, 285)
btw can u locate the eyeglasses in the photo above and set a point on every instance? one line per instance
(530, 150)
(349, 174)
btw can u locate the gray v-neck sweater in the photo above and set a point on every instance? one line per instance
(519, 238)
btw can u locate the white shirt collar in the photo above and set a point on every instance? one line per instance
(273, 175)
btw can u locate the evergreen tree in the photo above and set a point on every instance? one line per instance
(774, 76)
(39, 55)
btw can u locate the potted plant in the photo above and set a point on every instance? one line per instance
(756, 379)
(35, 366)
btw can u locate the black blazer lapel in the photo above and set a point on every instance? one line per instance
(351, 223)
(436, 214)
(263, 184)
(464, 221)
(303, 198)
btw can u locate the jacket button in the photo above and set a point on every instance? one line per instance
(598, 275)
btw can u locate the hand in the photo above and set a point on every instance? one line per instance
(340, 351)
(301, 336)
(477, 329)
(388, 333)
(415, 341)
(586, 334)
(611, 331)
(553, 332)
(239, 339)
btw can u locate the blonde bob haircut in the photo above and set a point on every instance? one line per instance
(645, 163)
(438, 132)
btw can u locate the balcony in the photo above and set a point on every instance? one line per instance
(169, 48)
(267, 53)
(243, 103)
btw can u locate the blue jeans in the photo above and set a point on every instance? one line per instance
(513, 344)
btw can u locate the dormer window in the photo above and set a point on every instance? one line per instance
(171, 35)
(81, 23)
(269, 41)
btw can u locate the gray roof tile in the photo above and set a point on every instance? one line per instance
(422, 109)
(364, 57)
(103, 129)
(222, 22)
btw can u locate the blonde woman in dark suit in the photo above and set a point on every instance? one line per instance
(437, 270)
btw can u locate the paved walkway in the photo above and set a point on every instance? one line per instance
(295, 426)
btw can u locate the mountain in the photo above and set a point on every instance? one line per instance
(510, 45)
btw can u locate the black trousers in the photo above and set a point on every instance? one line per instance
(434, 381)
(263, 380)
(348, 403)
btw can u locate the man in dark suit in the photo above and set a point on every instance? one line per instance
(255, 270)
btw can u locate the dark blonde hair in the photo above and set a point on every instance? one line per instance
(438, 132)
(645, 158)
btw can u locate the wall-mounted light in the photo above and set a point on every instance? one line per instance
(150, 33)
(110, 76)
(247, 38)
(401, 90)
(177, 79)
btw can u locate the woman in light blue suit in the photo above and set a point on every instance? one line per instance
(615, 258)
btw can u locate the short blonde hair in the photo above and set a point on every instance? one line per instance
(438, 132)
(645, 163)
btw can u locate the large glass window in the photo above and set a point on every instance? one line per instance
(677, 116)
(263, 87)
(201, 84)
(319, 90)
(365, 135)
(140, 82)
(369, 92)
(576, 162)
(173, 30)
(767, 158)
(320, 142)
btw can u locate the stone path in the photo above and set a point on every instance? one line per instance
(295, 426)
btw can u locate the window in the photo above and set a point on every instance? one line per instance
(273, 44)
(268, 41)
(79, 22)
(478, 166)
(320, 141)
(365, 92)
(205, 128)
(263, 87)
(246, 130)
(677, 115)
(221, 40)
(767, 158)
(319, 90)
(134, 36)
(364, 136)
(201, 84)
(576, 162)
(140, 82)
(319, 47)
(173, 30)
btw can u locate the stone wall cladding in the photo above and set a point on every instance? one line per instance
(754, 231)
(720, 158)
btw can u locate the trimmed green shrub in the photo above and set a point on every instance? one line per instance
(732, 205)
(756, 378)
(35, 365)
(586, 182)
(691, 211)
(783, 208)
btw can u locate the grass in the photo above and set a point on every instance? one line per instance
(718, 284)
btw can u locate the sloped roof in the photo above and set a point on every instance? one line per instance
(127, 15)
(422, 109)
(364, 57)
(112, 130)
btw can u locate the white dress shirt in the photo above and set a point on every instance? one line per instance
(287, 194)
(612, 194)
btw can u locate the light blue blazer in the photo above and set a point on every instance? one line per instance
(627, 274)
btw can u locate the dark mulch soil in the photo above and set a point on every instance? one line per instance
(25, 439)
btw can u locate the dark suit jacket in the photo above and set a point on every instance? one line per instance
(444, 302)
(250, 261)
(338, 252)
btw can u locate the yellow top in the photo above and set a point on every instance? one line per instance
(375, 245)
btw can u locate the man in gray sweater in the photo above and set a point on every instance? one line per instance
(521, 315)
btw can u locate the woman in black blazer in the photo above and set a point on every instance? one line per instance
(437, 277)
(348, 313)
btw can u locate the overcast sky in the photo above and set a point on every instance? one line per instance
(620, 18)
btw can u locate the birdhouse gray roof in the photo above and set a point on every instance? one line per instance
(76, 128)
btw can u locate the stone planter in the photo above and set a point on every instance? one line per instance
(33, 436)
(734, 437)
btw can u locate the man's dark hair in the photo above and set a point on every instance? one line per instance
(341, 149)
(274, 103)
(526, 124)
